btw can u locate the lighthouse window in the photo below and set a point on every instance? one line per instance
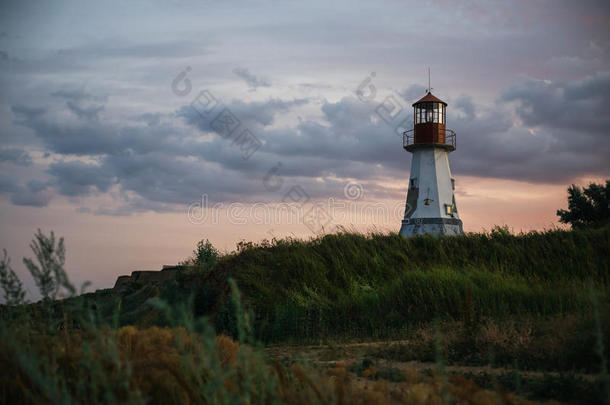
(418, 114)
(428, 112)
(448, 209)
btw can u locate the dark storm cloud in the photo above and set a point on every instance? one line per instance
(413, 92)
(68, 136)
(77, 95)
(582, 105)
(80, 103)
(348, 135)
(257, 113)
(76, 178)
(125, 137)
(116, 49)
(34, 194)
(251, 80)
(563, 133)
(88, 113)
(76, 129)
(162, 163)
(159, 162)
(16, 156)
(264, 112)
(7, 184)
(92, 55)
(150, 119)
(164, 178)
(548, 148)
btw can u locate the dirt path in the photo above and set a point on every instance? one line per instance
(351, 353)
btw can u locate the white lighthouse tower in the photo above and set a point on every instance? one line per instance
(430, 205)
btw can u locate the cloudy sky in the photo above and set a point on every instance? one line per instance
(135, 129)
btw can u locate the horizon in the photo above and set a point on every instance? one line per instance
(112, 138)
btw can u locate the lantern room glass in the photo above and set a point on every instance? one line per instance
(429, 113)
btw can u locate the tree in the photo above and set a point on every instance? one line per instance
(14, 294)
(206, 255)
(49, 273)
(587, 207)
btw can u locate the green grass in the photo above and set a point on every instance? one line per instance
(369, 286)
(540, 299)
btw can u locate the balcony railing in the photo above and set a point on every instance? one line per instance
(408, 140)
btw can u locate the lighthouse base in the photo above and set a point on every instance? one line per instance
(432, 226)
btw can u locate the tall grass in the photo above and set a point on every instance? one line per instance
(187, 363)
(160, 343)
(376, 285)
(359, 285)
(419, 296)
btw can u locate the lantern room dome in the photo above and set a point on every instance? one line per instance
(429, 98)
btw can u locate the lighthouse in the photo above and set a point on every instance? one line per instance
(430, 207)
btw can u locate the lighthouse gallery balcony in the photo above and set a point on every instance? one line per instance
(445, 138)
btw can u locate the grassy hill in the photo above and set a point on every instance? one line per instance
(538, 301)
(365, 285)
(376, 285)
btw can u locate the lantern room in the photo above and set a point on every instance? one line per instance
(429, 117)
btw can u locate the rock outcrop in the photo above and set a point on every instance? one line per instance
(144, 277)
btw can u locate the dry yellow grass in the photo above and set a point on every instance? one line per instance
(163, 365)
